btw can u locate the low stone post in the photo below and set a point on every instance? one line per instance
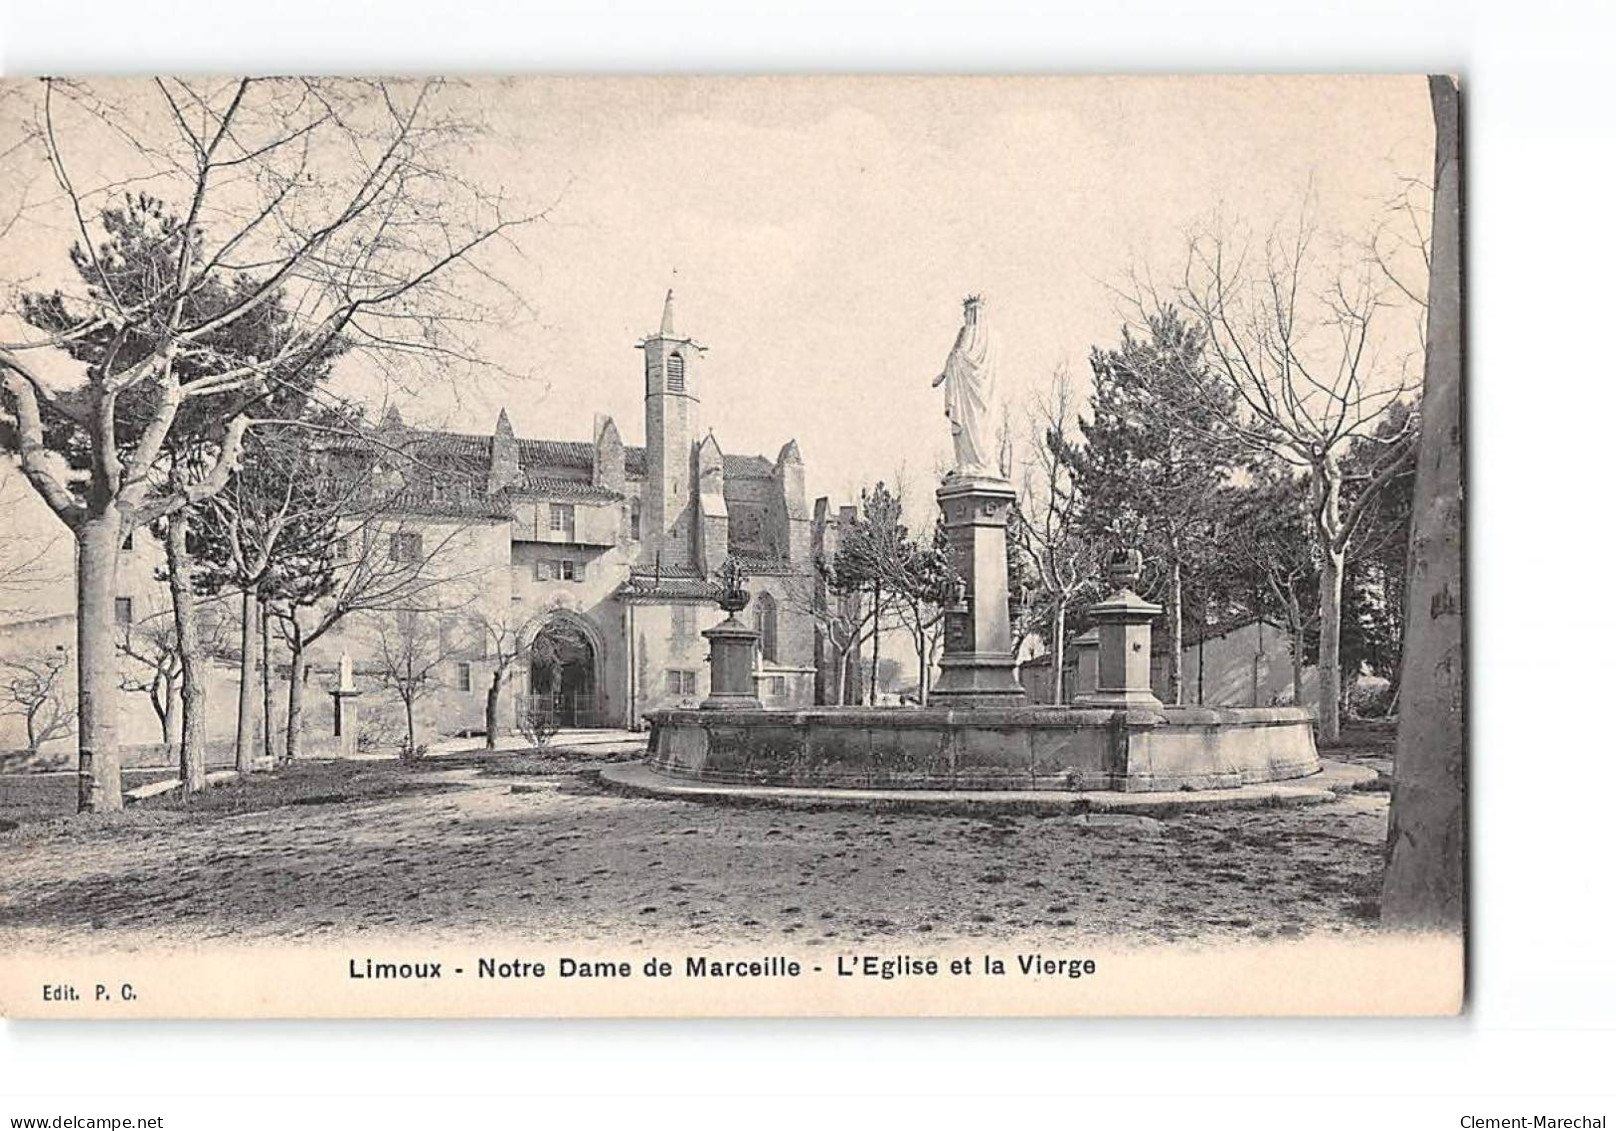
(732, 647)
(344, 724)
(1123, 624)
(1085, 666)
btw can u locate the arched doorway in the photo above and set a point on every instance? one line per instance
(563, 673)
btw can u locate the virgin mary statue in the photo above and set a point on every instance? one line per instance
(967, 380)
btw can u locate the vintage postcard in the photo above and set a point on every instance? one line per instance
(731, 546)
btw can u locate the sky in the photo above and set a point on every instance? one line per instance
(821, 233)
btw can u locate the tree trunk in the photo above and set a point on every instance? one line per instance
(268, 689)
(1175, 635)
(1298, 639)
(1057, 682)
(100, 773)
(161, 692)
(841, 678)
(1425, 865)
(1330, 682)
(409, 729)
(875, 647)
(294, 704)
(193, 665)
(491, 711)
(246, 708)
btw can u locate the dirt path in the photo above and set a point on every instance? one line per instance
(459, 851)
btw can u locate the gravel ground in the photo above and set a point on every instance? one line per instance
(465, 847)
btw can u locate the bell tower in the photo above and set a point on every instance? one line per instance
(672, 422)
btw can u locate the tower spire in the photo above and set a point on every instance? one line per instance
(667, 316)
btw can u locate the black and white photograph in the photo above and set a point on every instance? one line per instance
(696, 545)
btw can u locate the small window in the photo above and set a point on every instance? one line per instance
(541, 570)
(564, 521)
(568, 569)
(681, 683)
(124, 610)
(676, 372)
(463, 671)
(404, 546)
(634, 521)
(339, 549)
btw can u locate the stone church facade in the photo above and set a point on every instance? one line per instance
(613, 551)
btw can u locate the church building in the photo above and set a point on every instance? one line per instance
(609, 553)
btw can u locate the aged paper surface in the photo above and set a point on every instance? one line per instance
(595, 610)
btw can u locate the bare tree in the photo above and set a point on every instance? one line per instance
(153, 644)
(1047, 524)
(1268, 544)
(506, 637)
(338, 198)
(34, 688)
(410, 647)
(845, 621)
(384, 564)
(1297, 340)
(1425, 851)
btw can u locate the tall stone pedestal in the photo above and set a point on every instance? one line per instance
(732, 649)
(1123, 624)
(978, 667)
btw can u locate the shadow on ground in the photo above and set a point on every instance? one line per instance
(478, 846)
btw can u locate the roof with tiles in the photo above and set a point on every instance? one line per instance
(668, 583)
(578, 455)
(748, 467)
(551, 487)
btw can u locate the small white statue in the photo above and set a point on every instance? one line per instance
(967, 380)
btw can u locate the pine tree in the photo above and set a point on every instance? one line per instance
(1154, 454)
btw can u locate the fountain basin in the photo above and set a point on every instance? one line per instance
(1043, 748)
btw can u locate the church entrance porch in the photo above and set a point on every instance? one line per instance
(563, 677)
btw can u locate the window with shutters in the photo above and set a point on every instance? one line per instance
(463, 672)
(676, 372)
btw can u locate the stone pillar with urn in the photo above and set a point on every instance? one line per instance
(732, 647)
(1122, 621)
